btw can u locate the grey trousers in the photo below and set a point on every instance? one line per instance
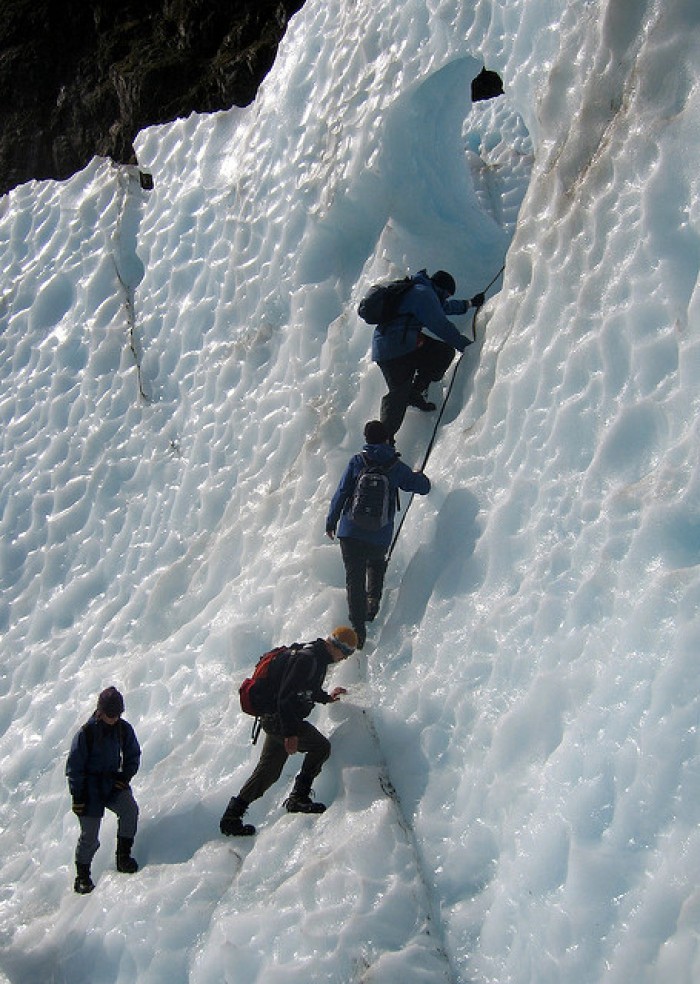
(124, 805)
(316, 747)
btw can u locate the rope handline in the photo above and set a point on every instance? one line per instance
(437, 422)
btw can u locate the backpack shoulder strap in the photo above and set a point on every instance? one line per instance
(89, 735)
(299, 647)
(288, 652)
(392, 464)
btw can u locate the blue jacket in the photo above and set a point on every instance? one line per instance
(423, 306)
(100, 755)
(400, 476)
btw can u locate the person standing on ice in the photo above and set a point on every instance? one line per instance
(300, 687)
(103, 759)
(409, 358)
(364, 541)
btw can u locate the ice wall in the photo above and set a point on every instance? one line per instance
(183, 379)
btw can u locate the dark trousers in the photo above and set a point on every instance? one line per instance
(124, 805)
(312, 743)
(365, 566)
(412, 373)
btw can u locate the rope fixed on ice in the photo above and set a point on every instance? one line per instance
(439, 418)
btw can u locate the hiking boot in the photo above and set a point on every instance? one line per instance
(234, 827)
(361, 633)
(83, 883)
(298, 803)
(125, 863)
(299, 800)
(231, 824)
(418, 400)
(372, 608)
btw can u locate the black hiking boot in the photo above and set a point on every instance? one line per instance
(83, 883)
(125, 863)
(302, 804)
(418, 400)
(231, 824)
(372, 608)
(299, 800)
(361, 633)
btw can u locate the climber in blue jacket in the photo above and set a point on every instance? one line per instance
(409, 358)
(104, 757)
(364, 544)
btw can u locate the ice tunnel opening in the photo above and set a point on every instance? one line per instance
(498, 150)
(441, 212)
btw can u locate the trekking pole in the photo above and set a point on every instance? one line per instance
(430, 446)
(437, 422)
(495, 278)
(484, 291)
(454, 374)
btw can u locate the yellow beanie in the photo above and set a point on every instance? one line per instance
(346, 635)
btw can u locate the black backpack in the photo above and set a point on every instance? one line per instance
(370, 506)
(381, 302)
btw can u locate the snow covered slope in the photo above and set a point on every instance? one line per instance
(513, 787)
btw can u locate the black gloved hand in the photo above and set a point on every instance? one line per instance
(120, 781)
(78, 807)
(477, 300)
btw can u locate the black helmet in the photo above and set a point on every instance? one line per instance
(445, 281)
(376, 432)
(110, 702)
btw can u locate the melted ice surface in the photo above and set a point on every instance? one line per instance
(513, 787)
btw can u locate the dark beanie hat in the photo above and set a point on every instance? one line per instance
(376, 432)
(110, 702)
(444, 280)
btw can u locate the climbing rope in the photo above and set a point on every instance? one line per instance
(439, 418)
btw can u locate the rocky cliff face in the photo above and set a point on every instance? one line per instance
(82, 77)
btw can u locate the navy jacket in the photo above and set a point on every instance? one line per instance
(100, 753)
(423, 306)
(301, 686)
(400, 476)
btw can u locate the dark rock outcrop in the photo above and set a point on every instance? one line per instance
(82, 77)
